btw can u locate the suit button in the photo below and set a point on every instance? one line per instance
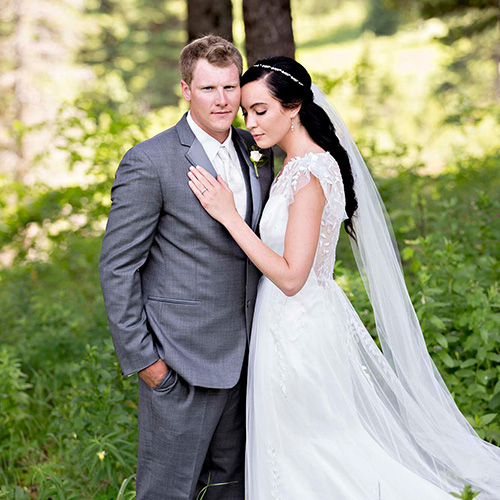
(249, 303)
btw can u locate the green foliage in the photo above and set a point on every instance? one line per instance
(467, 494)
(313, 7)
(434, 8)
(382, 19)
(14, 493)
(457, 274)
(14, 399)
(72, 430)
(125, 493)
(136, 42)
(15, 418)
(38, 220)
(464, 18)
(429, 120)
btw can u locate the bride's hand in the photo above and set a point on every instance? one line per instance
(214, 194)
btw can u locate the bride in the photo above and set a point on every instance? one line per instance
(329, 416)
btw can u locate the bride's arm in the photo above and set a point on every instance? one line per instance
(290, 272)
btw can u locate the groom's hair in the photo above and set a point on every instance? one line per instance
(215, 49)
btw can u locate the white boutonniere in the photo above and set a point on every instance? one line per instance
(257, 158)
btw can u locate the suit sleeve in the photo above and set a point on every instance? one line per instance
(135, 210)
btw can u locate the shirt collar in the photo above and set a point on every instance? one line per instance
(211, 145)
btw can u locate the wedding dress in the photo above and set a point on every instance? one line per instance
(328, 417)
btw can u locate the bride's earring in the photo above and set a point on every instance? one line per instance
(292, 127)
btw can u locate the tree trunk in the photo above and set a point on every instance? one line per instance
(210, 17)
(268, 29)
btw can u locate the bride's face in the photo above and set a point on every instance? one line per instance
(265, 117)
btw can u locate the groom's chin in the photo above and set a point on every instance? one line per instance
(224, 123)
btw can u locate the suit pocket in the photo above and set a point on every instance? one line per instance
(183, 302)
(167, 382)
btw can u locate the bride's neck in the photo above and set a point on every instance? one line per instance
(297, 143)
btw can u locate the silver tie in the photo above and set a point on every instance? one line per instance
(234, 179)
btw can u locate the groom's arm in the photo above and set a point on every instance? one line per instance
(135, 210)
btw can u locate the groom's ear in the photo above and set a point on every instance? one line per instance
(186, 91)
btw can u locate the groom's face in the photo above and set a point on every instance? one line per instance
(214, 97)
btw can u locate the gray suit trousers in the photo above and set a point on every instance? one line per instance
(189, 437)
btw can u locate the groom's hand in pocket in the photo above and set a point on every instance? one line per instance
(154, 373)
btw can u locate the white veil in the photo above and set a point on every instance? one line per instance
(414, 415)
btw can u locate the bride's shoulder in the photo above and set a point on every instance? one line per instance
(322, 165)
(298, 172)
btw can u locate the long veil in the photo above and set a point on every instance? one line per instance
(413, 415)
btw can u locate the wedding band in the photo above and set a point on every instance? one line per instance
(204, 190)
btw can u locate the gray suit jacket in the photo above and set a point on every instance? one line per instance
(176, 286)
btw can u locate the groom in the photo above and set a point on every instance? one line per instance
(179, 292)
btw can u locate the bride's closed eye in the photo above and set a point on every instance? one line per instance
(259, 113)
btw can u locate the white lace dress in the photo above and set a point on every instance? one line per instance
(307, 439)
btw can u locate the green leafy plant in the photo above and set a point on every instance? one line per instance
(467, 493)
(204, 490)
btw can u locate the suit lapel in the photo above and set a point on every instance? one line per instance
(195, 154)
(254, 181)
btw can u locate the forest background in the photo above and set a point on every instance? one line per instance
(82, 81)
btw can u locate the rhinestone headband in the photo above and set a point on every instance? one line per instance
(279, 70)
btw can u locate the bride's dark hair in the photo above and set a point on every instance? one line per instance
(292, 87)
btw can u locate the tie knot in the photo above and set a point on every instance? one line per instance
(224, 154)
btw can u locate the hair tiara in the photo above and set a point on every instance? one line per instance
(280, 71)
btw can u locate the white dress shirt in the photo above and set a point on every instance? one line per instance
(226, 163)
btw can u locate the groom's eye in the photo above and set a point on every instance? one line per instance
(207, 88)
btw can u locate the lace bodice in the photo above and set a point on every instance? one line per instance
(295, 175)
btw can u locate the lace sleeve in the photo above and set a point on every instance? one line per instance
(324, 167)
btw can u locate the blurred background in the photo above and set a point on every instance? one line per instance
(82, 81)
